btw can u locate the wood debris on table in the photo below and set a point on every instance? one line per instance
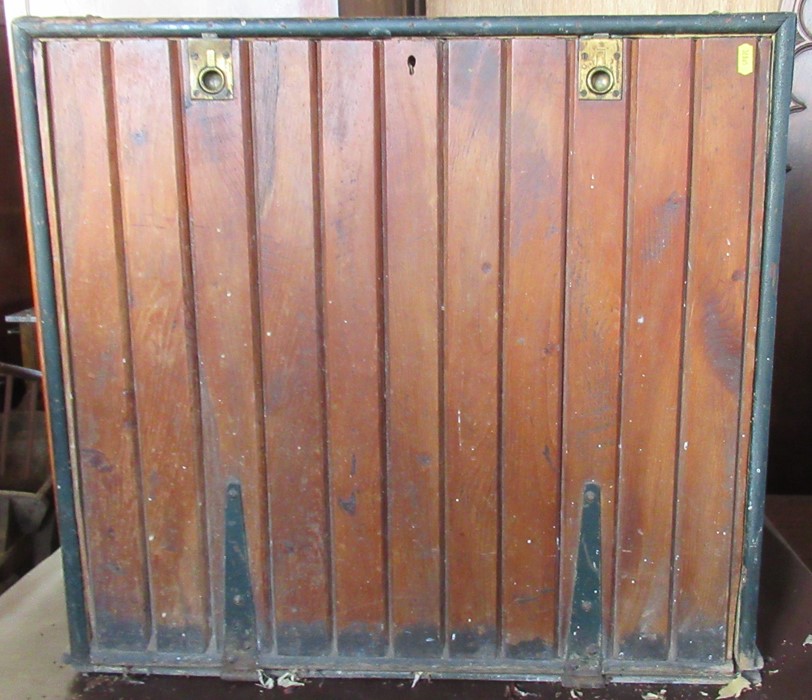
(734, 689)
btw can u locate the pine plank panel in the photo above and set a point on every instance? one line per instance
(592, 327)
(472, 269)
(291, 342)
(49, 165)
(99, 343)
(533, 285)
(221, 212)
(155, 235)
(656, 243)
(717, 259)
(353, 344)
(761, 123)
(412, 248)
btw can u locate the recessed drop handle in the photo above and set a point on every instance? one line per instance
(211, 70)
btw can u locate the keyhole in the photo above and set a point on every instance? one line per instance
(411, 61)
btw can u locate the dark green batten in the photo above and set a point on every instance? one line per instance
(240, 633)
(585, 637)
(49, 335)
(746, 653)
(370, 27)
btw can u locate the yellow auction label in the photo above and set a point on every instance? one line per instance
(746, 59)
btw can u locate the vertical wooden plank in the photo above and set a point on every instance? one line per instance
(410, 132)
(658, 183)
(471, 342)
(761, 123)
(100, 359)
(717, 264)
(292, 374)
(161, 321)
(49, 165)
(594, 283)
(353, 294)
(534, 259)
(221, 212)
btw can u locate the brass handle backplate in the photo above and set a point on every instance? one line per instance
(600, 68)
(211, 69)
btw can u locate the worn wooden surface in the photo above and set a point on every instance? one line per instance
(293, 385)
(353, 338)
(81, 104)
(713, 347)
(536, 153)
(413, 295)
(413, 288)
(219, 173)
(33, 630)
(761, 124)
(593, 314)
(652, 348)
(471, 334)
(155, 235)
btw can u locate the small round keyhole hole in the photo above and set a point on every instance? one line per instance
(211, 80)
(411, 62)
(600, 80)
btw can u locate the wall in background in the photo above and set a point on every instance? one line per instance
(177, 8)
(15, 283)
(463, 8)
(791, 430)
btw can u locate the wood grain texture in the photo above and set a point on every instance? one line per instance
(413, 400)
(717, 265)
(100, 358)
(655, 264)
(592, 325)
(413, 295)
(472, 321)
(291, 342)
(49, 165)
(218, 165)
(353, 346)
(761, 118)
(536, 134)
(155, 235)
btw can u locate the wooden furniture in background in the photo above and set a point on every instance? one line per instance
(27, 522)
(26, 327)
